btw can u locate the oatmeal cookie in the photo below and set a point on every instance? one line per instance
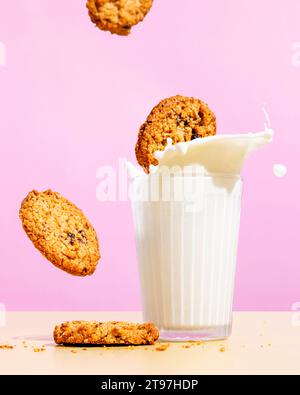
(118, 16)
(60, 231)
(106, 333)
(179, 118)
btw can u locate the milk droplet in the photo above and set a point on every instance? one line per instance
(267, 117)
(279, 170)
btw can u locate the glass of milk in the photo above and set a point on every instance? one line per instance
(187, 215)
(187, 228)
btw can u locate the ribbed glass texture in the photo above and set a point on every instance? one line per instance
(187, 250)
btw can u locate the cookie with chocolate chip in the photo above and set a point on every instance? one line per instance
(105, 333)
(60, 231)
(179, 118)
(118, 16)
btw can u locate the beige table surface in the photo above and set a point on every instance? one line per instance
(261, 343)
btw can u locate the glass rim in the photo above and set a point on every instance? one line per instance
(206, 175)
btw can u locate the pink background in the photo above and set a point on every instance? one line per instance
(72, 99)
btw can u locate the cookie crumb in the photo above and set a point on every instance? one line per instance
(186, 346)
(162, 347)
(130, 347)
(192, 343)
(37, 349)
(222, 349)
(73, 351)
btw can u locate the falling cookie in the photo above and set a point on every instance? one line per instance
(179, 118)
(105, 333)
(118, 16)
(61, 232)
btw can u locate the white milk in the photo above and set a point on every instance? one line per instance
(187, 214)
(279, 170)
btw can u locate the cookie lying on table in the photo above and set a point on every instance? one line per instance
(105, 333)
(60, 231)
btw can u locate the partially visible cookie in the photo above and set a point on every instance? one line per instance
(106, 333)
(179, 118)
(61, 232)
(118, 16)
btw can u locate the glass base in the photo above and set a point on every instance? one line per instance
(197, 334)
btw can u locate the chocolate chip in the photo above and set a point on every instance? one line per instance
(72, 238)
(82, 238)
(194, 135)
(200, 116)
(179, 121)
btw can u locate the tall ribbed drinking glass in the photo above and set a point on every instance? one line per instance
(187, 238)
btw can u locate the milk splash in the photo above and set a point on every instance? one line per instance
(214, 155)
